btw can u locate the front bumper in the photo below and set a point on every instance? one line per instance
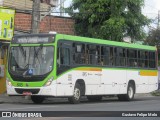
(46, 91)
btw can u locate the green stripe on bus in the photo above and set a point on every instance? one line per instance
(105, 42)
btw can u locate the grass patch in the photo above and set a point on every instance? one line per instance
(156, 93)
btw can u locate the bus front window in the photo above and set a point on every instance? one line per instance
(31, 60)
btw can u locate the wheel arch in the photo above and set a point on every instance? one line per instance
(82, 85)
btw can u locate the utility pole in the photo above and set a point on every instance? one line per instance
(61, 7)
(35, 16)
(158, 19)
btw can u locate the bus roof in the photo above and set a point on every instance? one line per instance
(106, 42)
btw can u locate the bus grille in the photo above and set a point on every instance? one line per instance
(33, 91)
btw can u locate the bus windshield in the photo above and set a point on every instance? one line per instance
(31, 60)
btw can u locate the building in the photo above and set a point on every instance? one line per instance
(50, 2)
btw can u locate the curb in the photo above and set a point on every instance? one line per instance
(1, 102)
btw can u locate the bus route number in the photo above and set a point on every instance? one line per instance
(19, 85)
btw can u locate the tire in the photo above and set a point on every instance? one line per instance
(37, 99)
(94, 98)
(130, 94)
(75, 99)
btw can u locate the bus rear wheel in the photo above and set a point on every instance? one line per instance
(75, 99)
(37, 99)
(130, 94)
(94, 98)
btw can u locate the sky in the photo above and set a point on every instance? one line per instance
(151, 10)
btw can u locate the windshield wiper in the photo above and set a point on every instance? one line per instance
(22, 51)
(37, 51)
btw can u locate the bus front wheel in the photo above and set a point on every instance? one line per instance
(75, 99)
(37, 99)
(130, 94)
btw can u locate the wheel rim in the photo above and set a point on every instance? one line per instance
(130, 92)
(76, 94)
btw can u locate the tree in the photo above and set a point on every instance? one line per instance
(153, 37)
(109, 19)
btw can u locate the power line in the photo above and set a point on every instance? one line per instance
(150, 13)
(158, 26)
(51, 11)
(150, 5)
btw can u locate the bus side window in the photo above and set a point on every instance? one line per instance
(98, 55)
(135, 63)
(142, 59)
(124, 57)
(132, 58)
(115, 57)
(58, 57)
(86, 54)
(93, 54)
(121, 57)
(111, 58)
(139, 59)
(79, 53)
(65, 56)
(146, 59)
(152, 63)
(104, 55)
(73, 53)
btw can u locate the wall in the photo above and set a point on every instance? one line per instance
(3, 61)
(49, 23)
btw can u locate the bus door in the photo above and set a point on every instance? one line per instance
(63, 65)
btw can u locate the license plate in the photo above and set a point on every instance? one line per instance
(27, 93)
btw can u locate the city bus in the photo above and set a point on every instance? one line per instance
(58, 65)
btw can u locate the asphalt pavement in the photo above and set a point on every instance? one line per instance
(4, 98)
(142, 102)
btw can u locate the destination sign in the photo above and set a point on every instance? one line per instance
(33, 39)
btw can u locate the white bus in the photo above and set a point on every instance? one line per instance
(57, 65)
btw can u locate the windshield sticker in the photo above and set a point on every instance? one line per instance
(30, 72)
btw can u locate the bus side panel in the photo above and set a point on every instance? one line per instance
(114, 80)
(93, 82)
(140, 81)
(65, 84)
(144, 83)
(153, 83)
(67, 81)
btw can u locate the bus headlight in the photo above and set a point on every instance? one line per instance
(8, 82)
(48, 83)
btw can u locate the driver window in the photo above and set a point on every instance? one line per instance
(63, 57)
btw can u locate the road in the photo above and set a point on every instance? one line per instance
(141, 103)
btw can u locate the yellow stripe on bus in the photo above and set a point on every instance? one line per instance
(89, 69)
(148, 73)
(142, 72)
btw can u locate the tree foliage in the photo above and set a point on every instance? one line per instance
(153, 37)
(109, 19)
